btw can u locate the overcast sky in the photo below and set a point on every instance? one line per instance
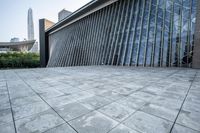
(13, 15)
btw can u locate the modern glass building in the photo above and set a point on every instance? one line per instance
(156, 33)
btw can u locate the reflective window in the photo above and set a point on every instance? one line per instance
(129, 32)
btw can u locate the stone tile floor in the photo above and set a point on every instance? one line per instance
(100, 100)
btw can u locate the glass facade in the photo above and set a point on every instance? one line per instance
(129, 33)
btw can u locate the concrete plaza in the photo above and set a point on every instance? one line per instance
(102, 99)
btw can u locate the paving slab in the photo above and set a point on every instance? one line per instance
(7, 128)
(29, 109)
(95, 102)
(131, 102)
(4, 105)
(72, 111)
(5, 116)
(144, 123)
(122, 129)
(167, 102)
(20, 101)
(143, 95)
(81, 95)
(160, 111)
(182, 129)
(64, 128)
(112, 95)
(93, 122)
(100, 99)
(4, 98)
(189, 118)
(39, 122)
(59, 101)
(116, 111)
(21, 93)
(51, 93)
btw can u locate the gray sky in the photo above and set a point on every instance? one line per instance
(13, 15)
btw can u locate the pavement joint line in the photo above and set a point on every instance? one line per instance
(126, 96)
(43, 81)
(113, 101)
(10, 105)
(53, 127)
(57, 81)
(141, 106)
(128, 118)
(46, 103)
(155, 116)
(183, 101)
(21, 76)
(78, 101)
(188, 127)
(54, 72)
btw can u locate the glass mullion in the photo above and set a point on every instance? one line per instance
(85, 42)
(115, 33)
(139, 49)
(96, 38)
(124, 34)
(175, 34)
(134, 33)
(189, 33)
(193, 19)
(171, 33)
(94, 34)
(102, 24)
(105, 33)
(155, 31)
(118, 35)
(163, 34)
(147, 33)
(68, 35)
(131, 18)
(150, 35)
(76, 51)
(180, 36)
(111, 31)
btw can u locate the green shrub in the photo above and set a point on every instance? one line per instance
(19, 60)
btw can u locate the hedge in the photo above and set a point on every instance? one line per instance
(19, 60)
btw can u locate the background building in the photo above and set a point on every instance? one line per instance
(156, 33)
(63, 14)
(16, 46)
(30, 28)
(30, 25)
(27, 45)
(14, 39)
(35, 48)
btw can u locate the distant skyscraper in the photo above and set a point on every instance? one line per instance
(30, 25)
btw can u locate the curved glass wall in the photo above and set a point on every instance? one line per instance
(162, 33)
(129, 32)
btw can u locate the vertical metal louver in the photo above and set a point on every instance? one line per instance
(129, 33)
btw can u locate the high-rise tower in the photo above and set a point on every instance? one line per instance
(30, 25)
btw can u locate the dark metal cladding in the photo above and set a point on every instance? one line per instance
(196, 56)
